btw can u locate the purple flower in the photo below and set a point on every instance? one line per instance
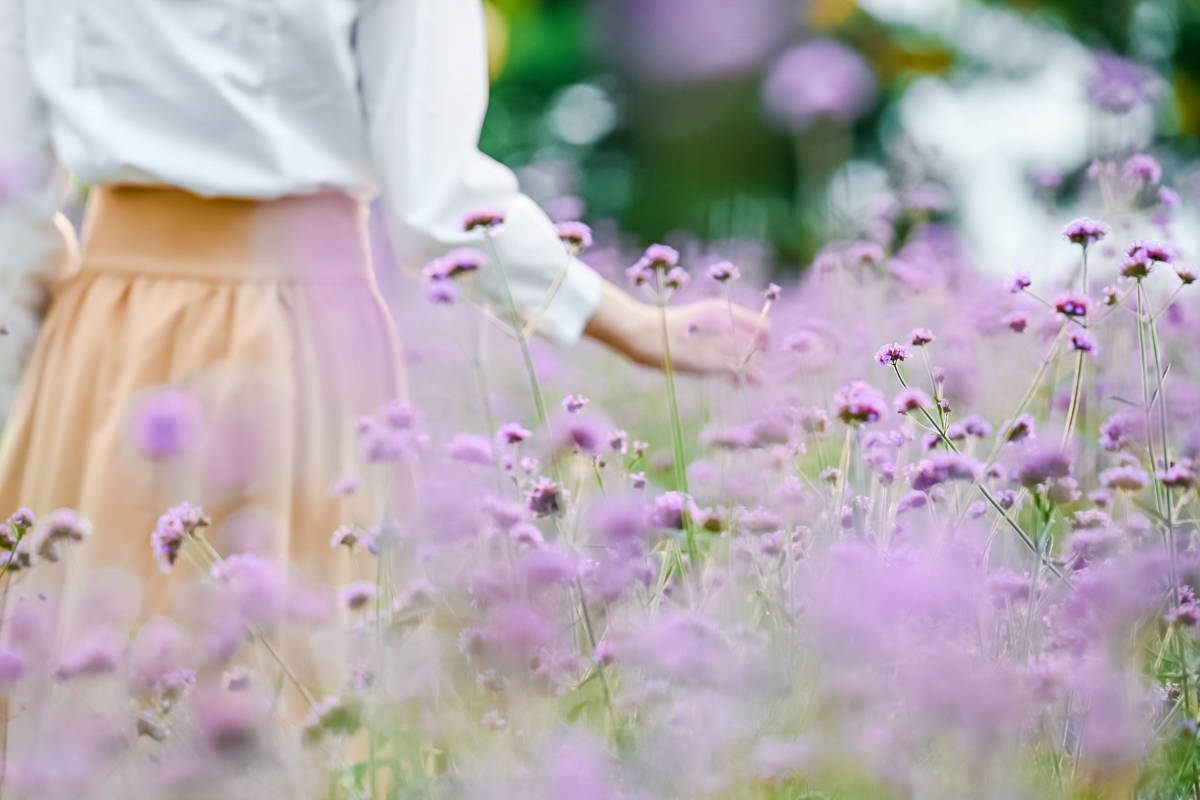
(1071, 305)
(512, 433)
(97, 654)
(12, 665)
(574, 402)
(676, 278)
(921, 337)
(1016, 321)
(440, 291)
(347, 536)
(659, 257)
(1040, 464)
(1018, 429)
(1085, 231)
(1142, 167)
(1126, 478)
(971, 425)
(1118, 86)
(1187, 275)
(56, 529)
(724, 271)
(576, 235)
(772, 292)
(482, 218)
(166, 423)
(255, 584)
(1020, 282)
(1119, 429)
(911, 399)
(820, 79)
(858, 401)
(942, 468)
(544, 497)
(669, 509)
(358, 594)
(1177, 476)
(471, 449)
(912, 500)
(1084, 342)
(892, 354)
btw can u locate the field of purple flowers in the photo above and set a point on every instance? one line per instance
(943, 545)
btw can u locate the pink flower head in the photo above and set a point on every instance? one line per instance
(921, 337)
(1072, 305)
(1084, 342)
(1016, 321)
(724, 271)
(512, 433)
(858, 401)
(1085, 231)
(820, 79)
(1020, 282)
(1144, 168)
(482, 218)
(166, 423)
(575, 235)
(891, 354)
(911, 399)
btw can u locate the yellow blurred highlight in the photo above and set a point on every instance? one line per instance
(496, 25)
(825, 15)
(1187, 97)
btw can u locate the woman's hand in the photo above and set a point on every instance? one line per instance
(707, 337)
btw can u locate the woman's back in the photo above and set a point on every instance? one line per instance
(232, 97)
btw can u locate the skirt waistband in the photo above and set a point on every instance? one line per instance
(164, 230)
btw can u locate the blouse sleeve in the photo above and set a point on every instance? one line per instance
(34, 245)
(423, 73)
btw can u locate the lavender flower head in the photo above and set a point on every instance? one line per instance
(1085, 231)
(575, 235)
(1041, 463)
(1118, 85)
(892, 354)
(57, 528)
(1143, 168)
(858, 401)
(820, 79)
(512, 433)
(166, 423)
(724, 271)
(173, 527)
(911, 399)
(1020, 282)
(1071, 305)
(921, 337)
(482, 218)
(1084, 342)
(544, 497)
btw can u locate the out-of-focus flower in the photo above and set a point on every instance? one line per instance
(1020, 282)
(358, 594)
(482, 218)
(921, 337)
(1144, 168)
(911, 399)
(1084, 231)
(724, 271)
(576, 235)
(544, 497)
(166, 423)
(1127, 478)
(820, 79)
(56, 529)
(1016, 321)
(858, 401)
(1042, 462)
(471, 450)
(1118, 85)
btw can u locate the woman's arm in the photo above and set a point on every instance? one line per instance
(34, 246)
(423, 69)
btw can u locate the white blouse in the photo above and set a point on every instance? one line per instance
(262, 98)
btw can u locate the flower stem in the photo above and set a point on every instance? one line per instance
(680, 461)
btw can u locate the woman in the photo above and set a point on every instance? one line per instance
(220, 331)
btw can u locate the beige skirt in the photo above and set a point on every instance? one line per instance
(217, 351)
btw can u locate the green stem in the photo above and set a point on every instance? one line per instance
(680, 465)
